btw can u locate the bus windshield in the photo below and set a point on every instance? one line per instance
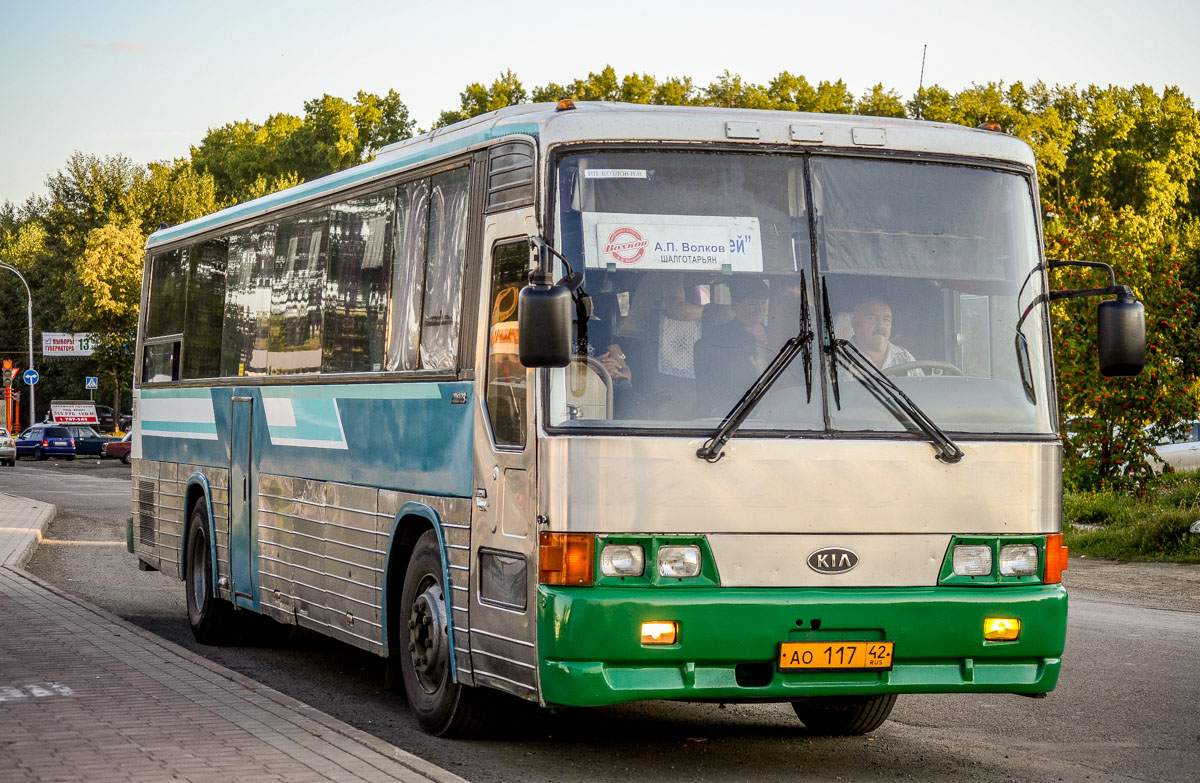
(693, 261)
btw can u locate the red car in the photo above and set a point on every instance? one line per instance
(118, 448)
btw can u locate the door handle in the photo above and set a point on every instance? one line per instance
(481, 501)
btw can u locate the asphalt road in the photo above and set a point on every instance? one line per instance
(1127, 706)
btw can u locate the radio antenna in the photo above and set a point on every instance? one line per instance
(921, 81)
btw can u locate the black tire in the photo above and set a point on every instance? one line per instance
(37, 454)
(211, 618)
(70, 457)
(125, 458)
(844, 716)
(442, 707)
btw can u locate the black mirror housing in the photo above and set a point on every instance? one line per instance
(1121, 336)
(544, 325)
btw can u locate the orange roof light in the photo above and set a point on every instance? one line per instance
(566, 104)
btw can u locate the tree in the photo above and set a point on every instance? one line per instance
(247, 160)
(1137, 148)
(506, 90)
(1110, 425)
(105, 299)
(880, 102)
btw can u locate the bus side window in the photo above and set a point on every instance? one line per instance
(442, 308)
(506, 376)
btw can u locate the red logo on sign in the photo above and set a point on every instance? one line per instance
(626, 245)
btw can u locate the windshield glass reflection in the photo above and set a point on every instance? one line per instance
(693, 262)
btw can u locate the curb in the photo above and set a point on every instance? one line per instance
(22, 540)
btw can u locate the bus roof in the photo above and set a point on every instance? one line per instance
(548, 125)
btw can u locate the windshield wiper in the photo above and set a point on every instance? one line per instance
(882, 387)
(801, 343)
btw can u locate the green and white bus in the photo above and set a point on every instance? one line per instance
(591, 403)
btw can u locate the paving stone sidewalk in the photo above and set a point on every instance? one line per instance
(86, 696)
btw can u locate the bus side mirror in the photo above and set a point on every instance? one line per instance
(1121, 336)
(544, 325)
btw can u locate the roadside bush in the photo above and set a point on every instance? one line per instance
(1121, 526)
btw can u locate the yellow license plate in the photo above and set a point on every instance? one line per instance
(842, 656)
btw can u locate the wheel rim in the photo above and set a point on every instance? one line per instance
(427, 642)
(199, 573)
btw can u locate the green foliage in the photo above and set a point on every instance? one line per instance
(247, 160)
(1110, 425)
(1152, 526)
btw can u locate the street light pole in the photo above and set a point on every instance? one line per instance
(29, 313)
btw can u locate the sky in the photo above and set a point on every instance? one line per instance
(148, 79)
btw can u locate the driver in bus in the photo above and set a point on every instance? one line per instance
(872, 325)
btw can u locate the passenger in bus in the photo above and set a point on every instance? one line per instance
(872, 325)
(660, 302)
(730, 356)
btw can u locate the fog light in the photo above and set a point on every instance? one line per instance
(1001, 629)
(678, 562)
(972, 560)
(659, 632)
(1018, 560)
(622, 560)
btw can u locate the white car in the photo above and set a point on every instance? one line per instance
(1181, 454)
(8, 448)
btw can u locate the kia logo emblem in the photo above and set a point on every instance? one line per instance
(832, 560)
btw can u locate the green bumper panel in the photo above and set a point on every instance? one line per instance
(592, 654)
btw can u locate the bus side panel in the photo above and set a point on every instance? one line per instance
(331, 466)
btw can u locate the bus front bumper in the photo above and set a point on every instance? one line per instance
(728, 641)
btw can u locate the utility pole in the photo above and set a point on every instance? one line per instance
(29, 314)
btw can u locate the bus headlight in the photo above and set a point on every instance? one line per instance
(679, 562)
(972, 560)
(1018, 560)
(622, 560)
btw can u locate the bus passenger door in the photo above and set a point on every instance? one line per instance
(241, 560)
(504, 513)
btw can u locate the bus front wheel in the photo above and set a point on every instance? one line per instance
(844, 716)
(209, 616)
(441, 706)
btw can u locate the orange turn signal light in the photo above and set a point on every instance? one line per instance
(1056, 559)
(659, 632)
(566, 558)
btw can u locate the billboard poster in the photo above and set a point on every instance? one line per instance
(63, 344)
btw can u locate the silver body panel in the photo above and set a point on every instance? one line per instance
(784, 498)
(321, 546)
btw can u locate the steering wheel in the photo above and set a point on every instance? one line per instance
(935, 368)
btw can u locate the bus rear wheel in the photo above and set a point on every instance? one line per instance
(441, 706)
(211, 618)
(844, 716)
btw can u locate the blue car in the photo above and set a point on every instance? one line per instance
(46, 440)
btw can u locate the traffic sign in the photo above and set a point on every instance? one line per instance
(89, 382)
(31, 376)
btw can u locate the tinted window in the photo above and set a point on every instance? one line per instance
(442, 312)
(56, 432)
(205, 309)
(360, 254)
(506, 390)
(408, 275)
(298, 287)
(250, 265)
(160, 362)
(168, 293)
